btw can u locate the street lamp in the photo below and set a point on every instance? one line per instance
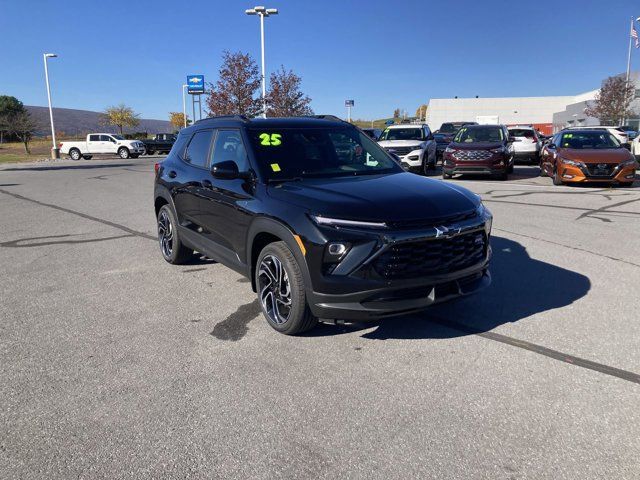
(184, 104)
(262, 12)
(55, 151)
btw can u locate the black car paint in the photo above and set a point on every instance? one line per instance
(230, 221)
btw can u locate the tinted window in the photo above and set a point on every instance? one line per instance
(179, 145)
(229, 146)
(198, 149)
(318, 152)
(94, 138)
(480, 134)
(588, 140)
(521, 132)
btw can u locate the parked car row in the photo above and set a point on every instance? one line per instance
(110, 144)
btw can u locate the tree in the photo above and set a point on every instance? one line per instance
(120, 116)
(396, 113)
(612, 102)
(177, 120)
(22, 126)
(421, 112)
(8, 106)
(235, 91)
(284, 98)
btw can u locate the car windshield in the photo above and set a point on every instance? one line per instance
(287, 153)
(118, 137)
(402, 134)
(588, 140)
(479, 134)
(448, 128)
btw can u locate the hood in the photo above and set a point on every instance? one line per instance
(400, 143)
(398, 197)
(476, 145)
(610, 155)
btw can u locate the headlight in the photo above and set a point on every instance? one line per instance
(628, 163)
(339, 222)
(484, 213)
(449, 150)
(573, 163)
(498, 150)
(416, 147)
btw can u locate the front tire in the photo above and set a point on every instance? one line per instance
(75, 154)
(123, 153)
(446, 175)
(149, 152)
(556, 177)
(281, 290)
(171, 247)
(87, 157)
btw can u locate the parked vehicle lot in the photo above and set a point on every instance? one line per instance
(115, 364)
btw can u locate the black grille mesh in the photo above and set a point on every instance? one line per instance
(431, 257)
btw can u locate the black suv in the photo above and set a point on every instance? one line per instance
(324, 222)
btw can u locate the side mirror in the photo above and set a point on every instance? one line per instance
(227, 170)
(430, 137)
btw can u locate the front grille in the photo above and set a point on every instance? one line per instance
(432, 222)
(601, 169)
(431, 257)
(401, 151)
(472, 155)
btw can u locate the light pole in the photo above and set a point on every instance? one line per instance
(184, 104)
(262, 12)
(55, 151)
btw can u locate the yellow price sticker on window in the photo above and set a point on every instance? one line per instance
(275, 167)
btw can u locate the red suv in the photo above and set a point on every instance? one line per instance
(479, 150)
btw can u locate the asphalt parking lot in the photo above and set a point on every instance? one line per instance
(115, 364)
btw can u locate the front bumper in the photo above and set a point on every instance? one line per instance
(573, 174)
(399, 300)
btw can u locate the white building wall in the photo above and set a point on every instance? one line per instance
(511, 110)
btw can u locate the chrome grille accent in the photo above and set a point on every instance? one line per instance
(472, 155)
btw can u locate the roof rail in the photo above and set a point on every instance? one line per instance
(328, 117)
(242, 118)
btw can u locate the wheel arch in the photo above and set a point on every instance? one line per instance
(264, 231)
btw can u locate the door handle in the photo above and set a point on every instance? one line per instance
(172, 174)
(207, 184)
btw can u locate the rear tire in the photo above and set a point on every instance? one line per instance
(75, 154)
(171, 247)
(281, 290)
(446, 176)
(149, 152)
(123, 153)
(87, 157)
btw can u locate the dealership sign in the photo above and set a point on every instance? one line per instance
(349, 103)
(195, 84)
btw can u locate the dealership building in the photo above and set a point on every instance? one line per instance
(547, 114)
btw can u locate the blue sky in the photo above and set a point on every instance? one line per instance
(383, 54)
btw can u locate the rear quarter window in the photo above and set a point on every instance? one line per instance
(179, 145)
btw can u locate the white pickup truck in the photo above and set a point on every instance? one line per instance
(102, 144)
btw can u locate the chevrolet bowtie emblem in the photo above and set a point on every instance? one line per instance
(195, 80)
(445, 232)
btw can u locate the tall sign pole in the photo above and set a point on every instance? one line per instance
(195, 87)
(184, 104)
(349, 104)
(624, 116)
(55, 151)
(262, 12)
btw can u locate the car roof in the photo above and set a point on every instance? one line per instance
(521, 127)
(487, 125)
(407, 125)
(284, 122)
(592, 127)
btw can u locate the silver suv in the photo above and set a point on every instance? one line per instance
(527, 143)
(413, 144)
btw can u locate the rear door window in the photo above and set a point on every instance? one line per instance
(197, 151)
(229, 146)
(94, 138)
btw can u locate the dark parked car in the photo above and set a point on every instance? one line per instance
(322, 232)
(479, 149)
(445, 135)
(373, 132)
(161, 143)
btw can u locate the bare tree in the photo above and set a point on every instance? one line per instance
(284, 98)
(235, 91)
(22, 126)
(120, 116)
(396, 113)
(421, 112)
(612, 102)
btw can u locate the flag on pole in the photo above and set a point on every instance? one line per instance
(634, 35)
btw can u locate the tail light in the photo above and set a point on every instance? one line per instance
(60, 145)
(156, 167)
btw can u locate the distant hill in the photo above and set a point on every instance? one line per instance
(72, 123)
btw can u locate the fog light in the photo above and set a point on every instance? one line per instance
(414, 157)
(337, 249)
(566, 175)
(633, 175)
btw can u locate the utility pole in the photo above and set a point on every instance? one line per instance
(55, 151)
